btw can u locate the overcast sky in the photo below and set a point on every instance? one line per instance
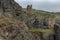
(47, 5)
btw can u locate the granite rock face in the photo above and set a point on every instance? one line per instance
(9, 8)
(9, 30)
(13, 31)
(18, 30)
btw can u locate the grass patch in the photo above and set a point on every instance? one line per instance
(40, 30)
(6, 20)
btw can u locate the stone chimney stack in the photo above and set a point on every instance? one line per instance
(29, 9)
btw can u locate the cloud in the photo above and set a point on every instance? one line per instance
(47, 5)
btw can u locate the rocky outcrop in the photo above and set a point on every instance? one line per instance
(10, 8)
(9, 30)
(13, 29)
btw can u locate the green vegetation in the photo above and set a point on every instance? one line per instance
(41, 30)
(44, 14)
(6, 20)
(41, 15)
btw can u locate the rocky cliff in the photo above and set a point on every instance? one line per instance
(11, 28)
(15, 23)
(10, 8)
